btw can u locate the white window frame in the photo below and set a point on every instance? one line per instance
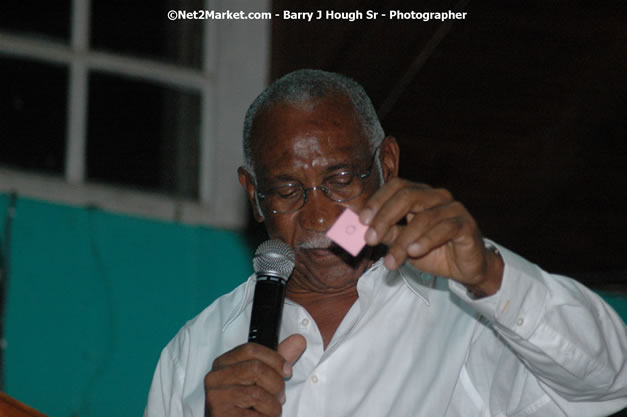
(235, 69)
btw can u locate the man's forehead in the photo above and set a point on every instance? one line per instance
(306, 129)
(309, 153)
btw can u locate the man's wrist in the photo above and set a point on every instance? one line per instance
(491, 284)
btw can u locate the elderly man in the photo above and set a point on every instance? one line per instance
(429, 319)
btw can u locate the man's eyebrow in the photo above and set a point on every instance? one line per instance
(291, 178)
(341, 165)
(284, 177)
(278, 178)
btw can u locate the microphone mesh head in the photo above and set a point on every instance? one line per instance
(274, 257)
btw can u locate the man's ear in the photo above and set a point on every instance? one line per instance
(249, 186)
(389, 155)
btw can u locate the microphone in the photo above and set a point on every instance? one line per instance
(273, 263)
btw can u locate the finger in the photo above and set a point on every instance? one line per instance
(229, 410)
(439, 235)
(460, 230)
(404, 204)
(247, 373)
(250, 351)
(241, 401)
(392, 234)
(249, 364)
(383, 194)
(398, 185)
(421, 223)
(291, 349)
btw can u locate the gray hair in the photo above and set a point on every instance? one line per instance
(304, 85)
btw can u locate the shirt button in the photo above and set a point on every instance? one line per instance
(314, 379)
(520, 321)
(304, 322)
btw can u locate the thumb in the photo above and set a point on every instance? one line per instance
(291, 349)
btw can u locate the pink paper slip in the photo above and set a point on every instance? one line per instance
(348, 232)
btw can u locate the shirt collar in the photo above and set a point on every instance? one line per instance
(420, 283)
(249, 293)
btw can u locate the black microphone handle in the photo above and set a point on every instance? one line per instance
(265, 319)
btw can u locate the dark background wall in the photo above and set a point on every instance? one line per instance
(519, 110)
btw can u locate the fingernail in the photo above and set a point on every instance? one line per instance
(371, 236)
(413, 249)
(287, 369)
(282, 398)
(390, 262)
(366, 216)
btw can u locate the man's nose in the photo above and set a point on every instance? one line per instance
(319, 212)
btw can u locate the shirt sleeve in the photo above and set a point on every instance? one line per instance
(164, 397)
(565, 335)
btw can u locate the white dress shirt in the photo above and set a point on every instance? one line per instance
(415, 345)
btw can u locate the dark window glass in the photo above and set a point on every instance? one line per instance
(143, 29)
(33, 107)
(48, 18)
(143, 135)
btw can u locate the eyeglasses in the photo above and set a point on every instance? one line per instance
(340, 187)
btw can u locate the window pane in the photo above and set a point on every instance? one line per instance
(143, 135)
(33, 106)
(143, 29)
(48, 18)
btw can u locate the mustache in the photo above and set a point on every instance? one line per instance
(316, 242)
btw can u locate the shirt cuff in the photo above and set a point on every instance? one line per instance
(519, 304)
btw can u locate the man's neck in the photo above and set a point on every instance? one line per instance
(328, 303)
(327, 309)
